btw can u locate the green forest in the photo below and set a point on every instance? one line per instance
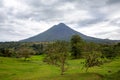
(60, 60)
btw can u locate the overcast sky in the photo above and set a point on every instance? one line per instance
(20, 19)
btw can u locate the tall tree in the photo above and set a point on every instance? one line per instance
(57, 54)
(76, 46)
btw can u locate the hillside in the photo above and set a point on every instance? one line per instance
(62, 32)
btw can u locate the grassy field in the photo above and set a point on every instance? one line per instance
(35, 69)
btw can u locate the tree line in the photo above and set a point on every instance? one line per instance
(58, 52)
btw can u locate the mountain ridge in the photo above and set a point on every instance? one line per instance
(62, 32)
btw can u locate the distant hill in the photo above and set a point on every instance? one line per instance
(63, 32)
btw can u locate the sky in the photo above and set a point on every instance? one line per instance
(21, 19)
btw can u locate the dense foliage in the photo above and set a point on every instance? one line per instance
(25, 52)
(57, 54)
(76, 46)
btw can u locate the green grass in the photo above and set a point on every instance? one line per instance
(36, 69)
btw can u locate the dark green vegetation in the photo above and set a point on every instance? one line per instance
(59, 60)
(76, 46)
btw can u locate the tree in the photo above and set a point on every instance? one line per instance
(108, 51)
(7, 52)
(76, 46)
(92, 59)
(117, 49)
(39, 48)
(25, 52)
(92, 55)
(57, 54)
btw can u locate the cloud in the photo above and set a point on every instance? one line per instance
(102, 30)
(1, 3)
(25, 18)
(113, 1)
(91, 21)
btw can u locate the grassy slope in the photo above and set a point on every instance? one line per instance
(35, 69)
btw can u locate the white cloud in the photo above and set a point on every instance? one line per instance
(76, 16)
(21, 19)
(45, 2)
(102, 30)
(15, 4)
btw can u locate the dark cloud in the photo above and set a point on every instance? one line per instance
(113, 1)
(33, 3)
(93, 7)
(2, 13)
(87, 23)
(40, 11)
(97, 18)
(23, 15)
(115, 22)
(37, 4)
(1, 3)
(3, 16)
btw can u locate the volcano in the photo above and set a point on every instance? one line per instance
(62, 32)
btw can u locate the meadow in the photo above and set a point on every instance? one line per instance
(36, 69)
